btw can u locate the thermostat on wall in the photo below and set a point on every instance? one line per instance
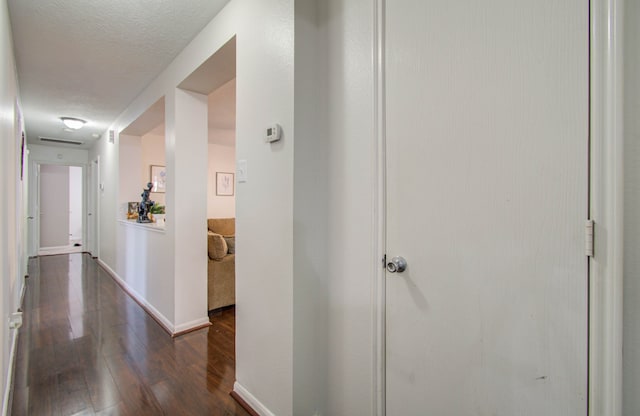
(273, 133)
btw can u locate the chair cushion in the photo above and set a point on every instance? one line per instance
(222, 226)
(216, 246)
(231, 244)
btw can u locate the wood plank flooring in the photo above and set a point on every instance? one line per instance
(86, 348)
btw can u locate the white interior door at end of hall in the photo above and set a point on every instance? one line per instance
(54, 206)
(487, 135)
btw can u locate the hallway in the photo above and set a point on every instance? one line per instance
(86, 348)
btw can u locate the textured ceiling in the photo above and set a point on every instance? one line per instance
(90, 59)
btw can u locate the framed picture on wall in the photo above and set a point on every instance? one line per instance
(158, 178)
(224, 184)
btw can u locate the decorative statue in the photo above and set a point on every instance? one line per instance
(145, 204)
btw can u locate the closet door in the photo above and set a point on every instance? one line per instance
(487, 139)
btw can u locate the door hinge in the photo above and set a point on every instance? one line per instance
(589, 240)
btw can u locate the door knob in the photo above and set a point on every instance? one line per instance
(29, 218)
(397, 264)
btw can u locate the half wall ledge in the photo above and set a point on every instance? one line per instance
(148, 226)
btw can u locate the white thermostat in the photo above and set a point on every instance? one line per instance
(273, 133)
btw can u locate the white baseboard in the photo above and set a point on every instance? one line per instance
(157, 315)
(186, 327)
(12, 365)
(54, 248)
(251, 400)
(8, 389)
(172, 329)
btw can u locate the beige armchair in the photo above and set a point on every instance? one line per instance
(221, 267)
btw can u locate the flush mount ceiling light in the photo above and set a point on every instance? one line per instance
(73, 123)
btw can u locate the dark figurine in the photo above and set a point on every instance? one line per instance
(145, 204)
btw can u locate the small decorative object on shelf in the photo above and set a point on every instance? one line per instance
(145, 205)
(132, 210)
(157, 212)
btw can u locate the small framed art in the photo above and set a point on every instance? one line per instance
(158, 178)
(224, 184)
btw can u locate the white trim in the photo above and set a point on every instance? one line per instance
(168, 325)
(251, 400)
(187, 326)
(379, 214)
(9, 382)
(53, 248)
(34, 203)
(23, 290)
(12, 364)
(606, 207)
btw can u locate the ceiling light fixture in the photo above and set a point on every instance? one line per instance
(73, 123)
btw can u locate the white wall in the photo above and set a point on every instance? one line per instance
(108, 200)
(221, 159)
(225, 137)
(142, 257)
(54, 206)
(329, 208)
(137, 154)
(347, 27)
(311, 217)
(75, 203)
(12, 256)
(130, 177)
(264, 271)
(153, 153)
(631, 320)
(264, 277)
(58, 155)
(334, 184)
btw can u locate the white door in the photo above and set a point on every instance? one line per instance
(54, 206)
(487, 139)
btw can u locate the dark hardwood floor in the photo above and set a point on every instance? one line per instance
(86, 348)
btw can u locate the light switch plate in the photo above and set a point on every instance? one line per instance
(241, 171)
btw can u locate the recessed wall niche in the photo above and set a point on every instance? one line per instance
(142, 158)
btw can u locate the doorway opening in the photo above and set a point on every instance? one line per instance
(216, 78)
(60, 209)
(221, 196)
